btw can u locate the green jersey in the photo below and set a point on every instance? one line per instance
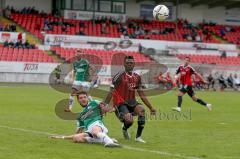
(81, 69)
(90, 114)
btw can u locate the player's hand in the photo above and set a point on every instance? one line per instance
(205, 82)
(112, 109)
(153, 111)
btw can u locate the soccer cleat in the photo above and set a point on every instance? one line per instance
(209, 107)
(111, 144)
(126, 135)
(114, 140)
(178, 109)
(139, 139)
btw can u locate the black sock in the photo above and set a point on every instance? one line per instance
(141, 123)
(179, 101)
(126, 126)
(200, 101)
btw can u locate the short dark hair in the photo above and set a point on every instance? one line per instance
(82, 92)
(128, 57)
(187, 57)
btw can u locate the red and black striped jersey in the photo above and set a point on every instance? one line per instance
(125, 86)
(186, 73)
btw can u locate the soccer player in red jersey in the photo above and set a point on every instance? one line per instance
(185, 82)
(124, 85)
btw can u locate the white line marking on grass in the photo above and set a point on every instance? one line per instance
(159, 152)
(27, 130)
(223, 123)
(124, 146)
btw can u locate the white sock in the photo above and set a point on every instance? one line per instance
(71, 101)
(93, 140)
(104, 137)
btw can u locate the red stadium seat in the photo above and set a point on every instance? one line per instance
(29, 55)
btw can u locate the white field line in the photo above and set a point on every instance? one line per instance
(161, 153)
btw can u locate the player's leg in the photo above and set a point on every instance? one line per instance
(182, 90)
(76, 87)
(198, 100)
(71, 99)
(98, 131)
(126, 118)
(140, 111)
(76, 137)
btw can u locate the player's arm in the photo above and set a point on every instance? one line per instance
(105, 108)
(144, 98)
(115, 81)
(80, 127)
(177, 76)
(109, 96)
(178, 70)
(199, 76)
(146, 102)
(79, 130)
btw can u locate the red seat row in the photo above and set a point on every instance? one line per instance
(230, 36)
(107, 57)
(211, 59)
(26, 55)
(30, 22)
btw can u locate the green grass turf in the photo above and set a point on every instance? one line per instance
(204, 134)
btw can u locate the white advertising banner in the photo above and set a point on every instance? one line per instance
(90, 42)
(86, 41)
(11, 36)
(232, 17)
(85, 15)
(27, 67)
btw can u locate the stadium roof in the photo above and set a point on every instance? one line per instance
(211, 3)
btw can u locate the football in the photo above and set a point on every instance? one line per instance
(160, 12)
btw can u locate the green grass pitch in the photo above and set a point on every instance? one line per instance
(27, 116)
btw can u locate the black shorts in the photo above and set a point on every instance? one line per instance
(187, 89)
(124, 108)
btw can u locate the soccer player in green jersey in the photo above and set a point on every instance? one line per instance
(90, 126)
(82, 77)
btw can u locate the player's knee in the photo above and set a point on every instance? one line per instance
(194, 98)
(180, 93)
(96, 130)
(141, 112)
(128, 118)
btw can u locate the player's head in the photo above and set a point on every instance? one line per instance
(129, 63)
(186, 60)
(78, 54)
(83, 98)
